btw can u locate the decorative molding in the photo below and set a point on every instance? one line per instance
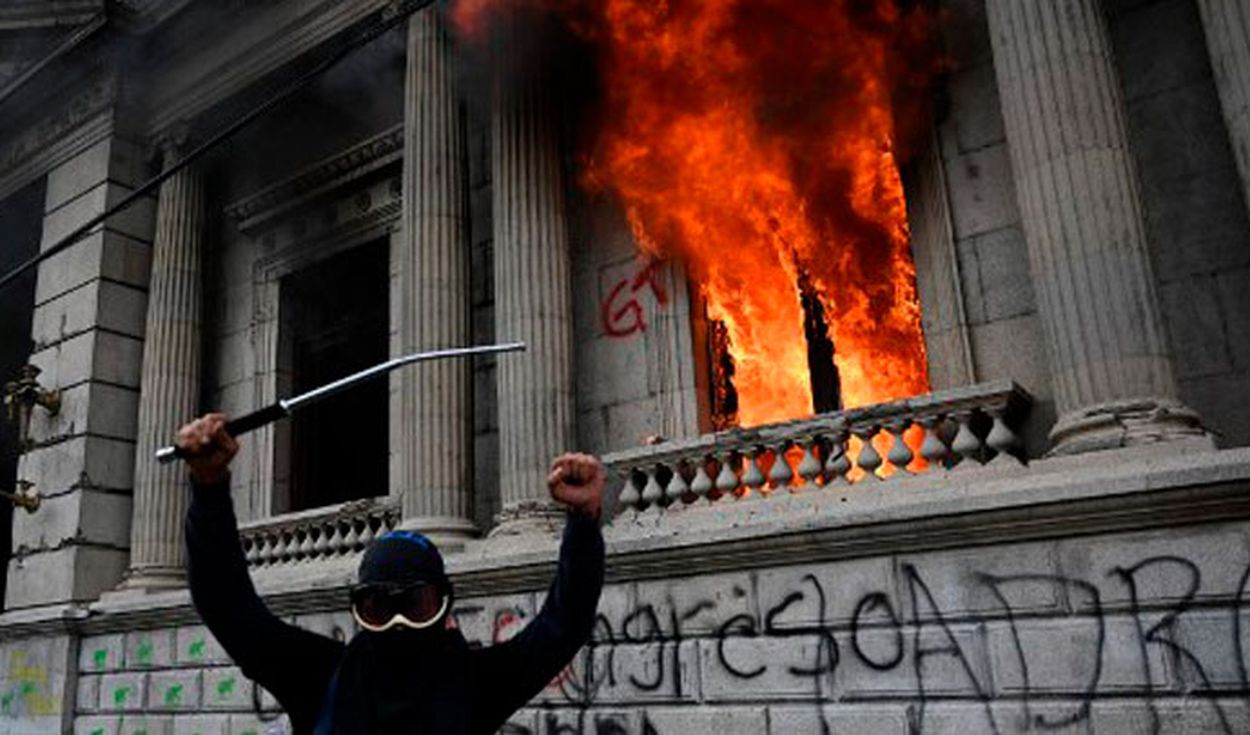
(1117, 491)
(319, 179)
(84, 119)
(205, 76)
(28, 14)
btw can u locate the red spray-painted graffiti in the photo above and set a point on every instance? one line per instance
(622, 313)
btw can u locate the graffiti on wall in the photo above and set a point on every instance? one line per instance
(27, 692)
(622, 312)
(1049, 669)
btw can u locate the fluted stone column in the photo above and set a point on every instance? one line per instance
(170, 382)
(433, 467)
(1076, 186)
(532, 289)
(1227, 25)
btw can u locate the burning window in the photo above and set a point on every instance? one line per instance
(759, 142)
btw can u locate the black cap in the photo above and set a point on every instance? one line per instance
(402, 558)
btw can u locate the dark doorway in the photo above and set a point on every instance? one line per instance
(337, 312)
(21, 224)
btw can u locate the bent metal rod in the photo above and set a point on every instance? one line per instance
(286, 406)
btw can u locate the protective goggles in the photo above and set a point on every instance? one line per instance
(381, 607)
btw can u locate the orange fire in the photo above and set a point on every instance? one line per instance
(756, 140)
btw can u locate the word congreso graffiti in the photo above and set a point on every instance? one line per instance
(1033, 652)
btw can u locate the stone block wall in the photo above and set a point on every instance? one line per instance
(1197, 226)
(1122, 633)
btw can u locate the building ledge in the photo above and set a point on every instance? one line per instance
(1116, 490)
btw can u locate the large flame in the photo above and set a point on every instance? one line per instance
(756, 140)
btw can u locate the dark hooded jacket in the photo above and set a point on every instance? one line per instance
(407, 681)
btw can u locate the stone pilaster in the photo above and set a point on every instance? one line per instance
(1078, 198)
(433, 463)
(170, 382)
(532, 289)
(1227, 26)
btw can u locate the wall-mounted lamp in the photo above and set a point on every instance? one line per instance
(25, 497)
(22, 395)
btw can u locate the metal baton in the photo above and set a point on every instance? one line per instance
(286, 406)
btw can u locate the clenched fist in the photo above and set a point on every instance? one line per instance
(577, 480)
(207, 448)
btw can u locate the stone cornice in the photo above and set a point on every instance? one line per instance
(318, 179)
(27, 14)
(68, 128)
(273, 36)
(1106, 493)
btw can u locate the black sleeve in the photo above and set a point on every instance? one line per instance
(510, 674)
(294, 664)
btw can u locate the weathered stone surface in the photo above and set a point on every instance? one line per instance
(1162, 564)
(98, 304)
(1075, 657)
(737, 669)
(98, 725)
(102, 653)
(124, 692)
(176, 690)
(841, 719)
(226, 688)
(87, 692)
(195, 646)
(201, 724)
(720, 720)
(88, 515)
(70, 573)
(149, 649)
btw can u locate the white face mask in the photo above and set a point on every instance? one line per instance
(401, 619)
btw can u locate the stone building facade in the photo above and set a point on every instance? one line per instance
(1074, 557)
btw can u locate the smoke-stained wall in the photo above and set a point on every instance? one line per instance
(1196, 222)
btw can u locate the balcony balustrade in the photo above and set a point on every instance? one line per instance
(947, 431)
(319, 534)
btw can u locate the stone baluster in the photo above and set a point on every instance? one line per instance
(1227, 25)
(837, 464)
(1061, 101)
(965, 446)
(433, 467)
(727, 479)
(752, 476)
(869, 459)
(532, 288)
(1002, 440)
(780, 476)
(933, 449)
(677, 487)
(170, 383)
(809, 467)
(652, 493)
(629, 496)
(702, 485)
(899, 455)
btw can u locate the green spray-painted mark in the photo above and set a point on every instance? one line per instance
(249, 732)
(6, 702)
(98, 731)
(28, 687)
(225, 687)
(101, 657)
(120, 695)
(197, 648)
(145, 652)
(173, 695)
(141, 732)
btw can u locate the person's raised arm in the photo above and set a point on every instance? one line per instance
(264, 647)
(515, 671)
